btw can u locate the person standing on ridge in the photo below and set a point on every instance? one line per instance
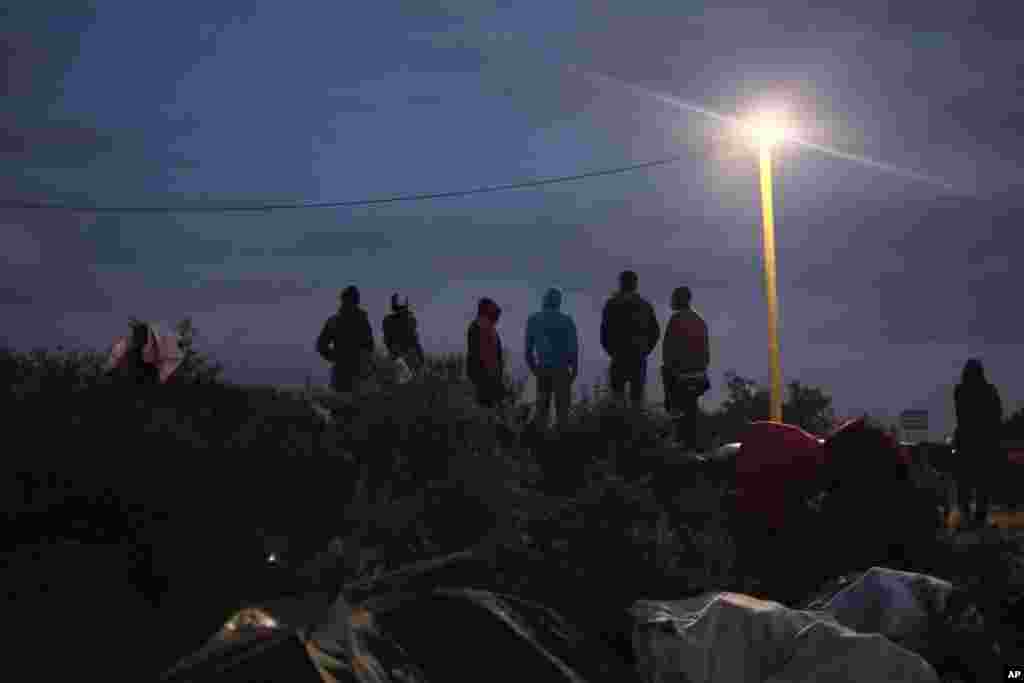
(552, 354)
(401, 336)
(346, 341)
(629, 333)
(979, 423)
(485, 362)
(686, 356)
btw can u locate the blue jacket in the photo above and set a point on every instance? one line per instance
(551, 340)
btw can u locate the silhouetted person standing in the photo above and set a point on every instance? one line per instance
(629, 333)
(133, 359)
(346, 341)
(401, 335)
(979, 422)
(685, 358)
(485, 361)
(552, 354)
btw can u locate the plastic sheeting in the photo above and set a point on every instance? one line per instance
(725, 637)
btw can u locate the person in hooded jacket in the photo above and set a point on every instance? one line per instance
(685, 358)
(552, 354)
(346, 341)
(979, 423)
(485, 362)
(401, 336)
(629, 333)
(133, 368)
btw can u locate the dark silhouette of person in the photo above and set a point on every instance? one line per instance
(552, 354)
(979, 422)
(686, 355)
(629, 333)
(132, 368)
(401, 334)
(346, 341)
(484, 355)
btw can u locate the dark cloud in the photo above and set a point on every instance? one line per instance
(37, 43)
(76, 289)
(14, 297)
(424, 100)
(352, 103)
(923, 271)
(148, 242)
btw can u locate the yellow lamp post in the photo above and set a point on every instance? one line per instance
(768, 130)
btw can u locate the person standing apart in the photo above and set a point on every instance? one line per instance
(979, 423)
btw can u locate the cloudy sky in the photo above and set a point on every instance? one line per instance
(887, 283)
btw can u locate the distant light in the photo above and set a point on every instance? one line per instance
(769, 127)
(272, 558)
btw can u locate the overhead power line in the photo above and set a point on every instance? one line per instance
(206, 208)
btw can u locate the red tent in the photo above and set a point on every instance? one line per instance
(777, 465)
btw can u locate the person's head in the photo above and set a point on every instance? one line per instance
(553, 299)
(399, 306)
(974, 371)
(628, 281)
(140, 334)
(487, 308)
(350, 296)
(681, 297)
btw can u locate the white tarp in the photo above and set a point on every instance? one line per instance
(723, 637)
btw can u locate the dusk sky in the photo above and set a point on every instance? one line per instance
(887, 283)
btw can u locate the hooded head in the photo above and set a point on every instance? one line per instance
(488, 309)
(628, 281)
(350, 296)
(140, 334)
(399, 306)
(681, 297)
(973, 372)
(553, 299)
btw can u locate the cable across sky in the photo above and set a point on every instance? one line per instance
(277, 206)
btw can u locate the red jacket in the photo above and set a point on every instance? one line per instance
(686, 341)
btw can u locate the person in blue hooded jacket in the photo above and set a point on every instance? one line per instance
(552, 354)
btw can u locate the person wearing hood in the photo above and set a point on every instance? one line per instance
(685, 359)
(401, 336)
(552, 354)
(629, 333)
(132, 358)
(485, 363)
(346, 341)
(979, 423)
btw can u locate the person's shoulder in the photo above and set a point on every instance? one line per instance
(638, 299)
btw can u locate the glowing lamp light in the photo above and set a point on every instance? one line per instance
(769, 129)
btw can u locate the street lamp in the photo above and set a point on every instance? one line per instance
(769, 129)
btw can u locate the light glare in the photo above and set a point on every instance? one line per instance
(769, 129)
